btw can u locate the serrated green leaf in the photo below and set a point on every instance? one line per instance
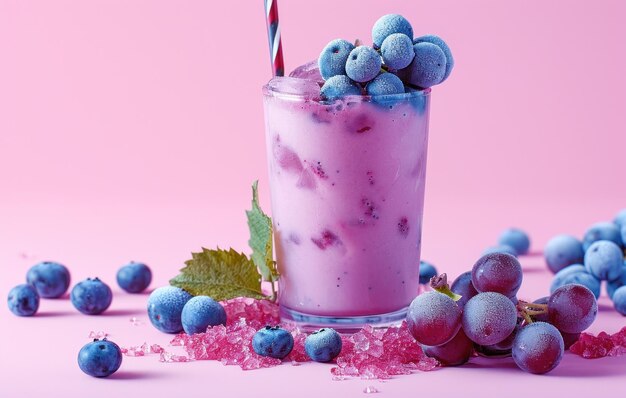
(220, 274)
(260, 242)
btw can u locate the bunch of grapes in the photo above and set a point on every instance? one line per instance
(481, 314)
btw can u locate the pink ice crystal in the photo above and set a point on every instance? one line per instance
(97, 335)
(368, 354)
(602, 345)
(380, 354)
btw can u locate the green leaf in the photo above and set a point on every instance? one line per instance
(260, 242)
(220, 274)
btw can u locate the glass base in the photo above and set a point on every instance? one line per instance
(343, 324)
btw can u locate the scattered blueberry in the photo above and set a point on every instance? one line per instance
(323, 345)
(91, 296)
(100, 358)
(428, 67)
(332, 60)
(363, 64)
(385, 84)
(500, 249)
(397, 51)
(201, 312)
(388, 25)
(339, 86)
(562, 251)
(165, 306)
(427, 271)
(620, 218)
(272, 341)
(576, 273)
(444, 47)
(134, 277)
(612, 286)
(23, 300)
(619, 300)
(604, 260)
(517, 239)
(49, 278)
(582, 278)
(602, 231)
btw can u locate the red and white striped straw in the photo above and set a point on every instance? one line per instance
(273, 35)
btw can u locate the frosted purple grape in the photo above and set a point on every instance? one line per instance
(453, 353)
(497, 272)
(572, 308)
(433, 318)
(462, 286)
(538, 348)
(489, 318)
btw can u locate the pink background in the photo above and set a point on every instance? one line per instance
(133, 130)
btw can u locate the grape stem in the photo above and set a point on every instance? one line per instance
(528, 310)
(440, 284)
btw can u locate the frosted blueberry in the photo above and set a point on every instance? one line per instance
(51, 279)
(201, 312)
(165, 306)
(332, 60)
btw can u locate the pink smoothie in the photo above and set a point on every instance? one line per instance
(347, 190)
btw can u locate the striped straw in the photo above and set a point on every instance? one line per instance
(273, 35)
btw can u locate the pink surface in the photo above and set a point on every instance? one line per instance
(120, 139)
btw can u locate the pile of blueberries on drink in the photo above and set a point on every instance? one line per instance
(395, 60)
(91, 296)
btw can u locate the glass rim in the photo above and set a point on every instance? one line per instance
(270, 92)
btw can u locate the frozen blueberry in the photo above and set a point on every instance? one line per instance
(323, 345)
(427, 271)
(339, 86)
(201, 312)
(134, 277)
(612, 286)
(576, 276)
(620, 218)
(604, 260)
(388, 25)
(576, 273)
(23, 300)
(91, 296)
(49, 278)
(500, 249)
(619, 300)
(363, 64)
(272, 341)
(100, 358)
(165, 307)
(602, 231)
(515, 238)
(332, 60)
(428, 67)
(444, 47)
(562, 251)
(397, 51)
(385, 84)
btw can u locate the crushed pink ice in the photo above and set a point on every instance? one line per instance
(142, 350)
(602, 345)
(380, 354)
(99, 335)
(368, 354)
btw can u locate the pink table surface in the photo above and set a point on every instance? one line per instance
(132, 130)
(39, 353)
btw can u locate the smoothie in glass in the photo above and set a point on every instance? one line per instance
(347, 191)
